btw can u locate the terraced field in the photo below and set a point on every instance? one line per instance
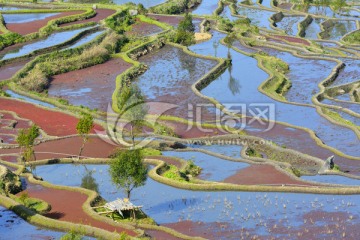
(249, 120)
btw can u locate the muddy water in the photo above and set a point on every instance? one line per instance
(235, 210)
(289, 25)
(7, 71)
(53, 39)
(170, 76)
(248, 77)
(91, 87)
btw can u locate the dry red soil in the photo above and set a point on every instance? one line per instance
(52, 122)
(171, 20)
(67, 206)
(34, 26)
(292, 39)
(100, 15)
(94, 148)
(262, 174)
(143, 29)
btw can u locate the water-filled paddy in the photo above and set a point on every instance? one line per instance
(213, 168)
(170, 76)
(28, 17)
(206, 8)
(314, 28)
(249, 77)
(258, 17)
(14, 227)
(289, 25)
(88, 38)
(340, 28)
(333, 179)
(52, 40)
(256, 212)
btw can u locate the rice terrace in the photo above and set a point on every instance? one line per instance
(180, 119)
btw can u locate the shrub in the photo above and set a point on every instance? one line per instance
(185, 31)
(121, 22)
(10, 38)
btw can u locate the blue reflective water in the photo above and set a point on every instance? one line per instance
(249, 77)
(355, 107)
(30, 100)
(52, 40)
(206, 7)
(333, 179)
(314, 28)
(170, 75)
(258, 17)
(223, 147)
(289, 25)
(86, 39)
(26, 17)
(8, 8)
(213, 168)
(166, 204)
(265, 3)
(304, 74)
(14, 227)
(341, 28)
(350, 73)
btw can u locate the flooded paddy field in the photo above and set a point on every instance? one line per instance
(242, 153)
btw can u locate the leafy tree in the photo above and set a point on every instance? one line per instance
(83, 128)
(133, 109)
(338, 5)
(128, 171)
(185, 31)
(26, 140)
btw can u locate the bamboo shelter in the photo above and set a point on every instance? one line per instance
(120, 206)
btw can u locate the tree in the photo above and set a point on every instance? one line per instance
(338, 5)
(128, 171)
(185, 31)
(83, 128)
(26, 140)
(133, 109)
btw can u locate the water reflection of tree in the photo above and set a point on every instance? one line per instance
(234, 84)
(216, 45)
(187, 62)
(88, 181)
